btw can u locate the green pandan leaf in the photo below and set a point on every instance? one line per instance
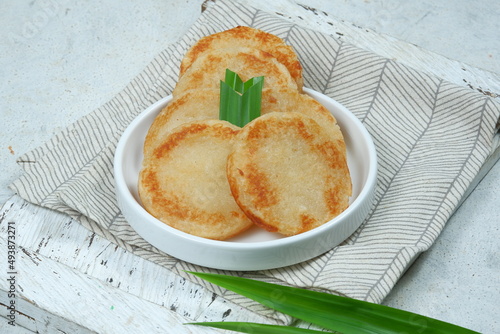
(253, 328)
(332, 312)
(240, 102)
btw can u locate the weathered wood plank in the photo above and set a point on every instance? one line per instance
(52, 249)
(31, 318)
(79, 298)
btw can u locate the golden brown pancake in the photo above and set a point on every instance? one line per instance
(209, 69)
(287, 100)
(242, 36)
(183, 182)
(288, 174)
(194, 105)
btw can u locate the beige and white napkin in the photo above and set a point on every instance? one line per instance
(432, 138)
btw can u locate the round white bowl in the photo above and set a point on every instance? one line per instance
(256, 249)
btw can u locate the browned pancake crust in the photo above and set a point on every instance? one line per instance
(194, 105)
(183, 182)
(247, 37)
(288, 174)
(287, 100)
(209, 69)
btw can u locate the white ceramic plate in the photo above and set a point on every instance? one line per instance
(256, 249)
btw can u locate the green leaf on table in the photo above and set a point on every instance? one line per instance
(332, 312)
(254, 328)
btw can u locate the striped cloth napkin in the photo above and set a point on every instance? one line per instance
(432, 138)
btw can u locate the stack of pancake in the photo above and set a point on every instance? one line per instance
(285, 171)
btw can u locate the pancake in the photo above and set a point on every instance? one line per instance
(183, 181)
(194, 105)
(209, 69)
(288, 174)
(242, 36)
(286, 100)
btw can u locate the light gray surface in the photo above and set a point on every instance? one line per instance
(460, 30)
(60, 60)
(458, 278)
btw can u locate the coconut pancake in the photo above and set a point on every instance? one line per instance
(194, 105)
(288, 174)
(183, 181)
(287, 100)
(209, 69)
(242, 36)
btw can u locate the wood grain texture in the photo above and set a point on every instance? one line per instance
(68, 271)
